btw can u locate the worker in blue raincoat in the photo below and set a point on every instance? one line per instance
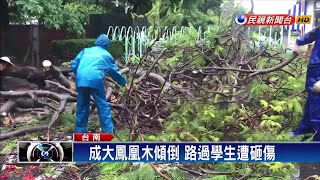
(91, 66)
(310, 122)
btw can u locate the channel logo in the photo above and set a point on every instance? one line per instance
(240, 19)
(267, 19)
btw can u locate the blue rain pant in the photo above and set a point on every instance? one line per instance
(83, 109)
(310, 122)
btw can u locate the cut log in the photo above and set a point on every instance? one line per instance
(29, 73)
(15, 84)
(55, 73)
(7, 107)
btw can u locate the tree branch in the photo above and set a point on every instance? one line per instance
(21, 132)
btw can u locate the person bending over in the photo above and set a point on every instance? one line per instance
(90, 67)
(310, 122)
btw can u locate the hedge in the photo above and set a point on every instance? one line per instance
(66, 49)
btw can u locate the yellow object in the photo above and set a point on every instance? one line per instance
(303, 19)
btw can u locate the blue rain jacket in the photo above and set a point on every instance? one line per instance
(311, 118)
(90, 67)
(313, 73)
(92, 64)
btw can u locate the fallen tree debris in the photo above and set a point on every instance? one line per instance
(154, 84)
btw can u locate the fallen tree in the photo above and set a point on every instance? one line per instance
(186, 72)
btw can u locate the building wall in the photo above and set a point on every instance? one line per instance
(18, 39)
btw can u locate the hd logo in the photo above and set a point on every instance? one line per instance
(303, 20)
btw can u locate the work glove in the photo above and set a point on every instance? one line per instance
(297, 49)
(316, 87)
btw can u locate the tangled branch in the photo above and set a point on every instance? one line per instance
(198, 73)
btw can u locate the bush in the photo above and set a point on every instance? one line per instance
(68, 49)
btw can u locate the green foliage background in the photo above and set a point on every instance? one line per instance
(54, 14)
(70, 48)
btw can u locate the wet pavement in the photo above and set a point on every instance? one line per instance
(307, 170)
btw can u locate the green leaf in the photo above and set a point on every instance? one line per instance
(202, 129)
(290, 106)
(276, 166)
(275, 117)
(274, 78)
(263, 123)
(249, 139)
(279, 103)
(297, 106)
(172, 60)
(219, 177)
(264, 103)
(265, 117)
(267, 178)
(290, 78)
(182, 135)
(275, 124)
(210, 113)
(229, 118)
(277, 109)
(214, 138)
(245, 130)
(152, 138)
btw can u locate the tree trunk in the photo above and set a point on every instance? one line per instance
(29, 73)
(33, 76)
(16, 84)
(4, 22)
(55, 73)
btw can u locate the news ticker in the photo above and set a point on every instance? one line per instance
(56, 151)
(76, 151)
(271, 19)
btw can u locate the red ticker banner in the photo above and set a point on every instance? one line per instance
(94, 137)
(265, 19)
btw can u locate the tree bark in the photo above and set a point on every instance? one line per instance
(29, 73)
(16, 84)
(7, 107)
(35, 76)
(4, 22)
(21, 132)
(55, 73)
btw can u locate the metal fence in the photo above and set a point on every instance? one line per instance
(137, 39)
(272, 39)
